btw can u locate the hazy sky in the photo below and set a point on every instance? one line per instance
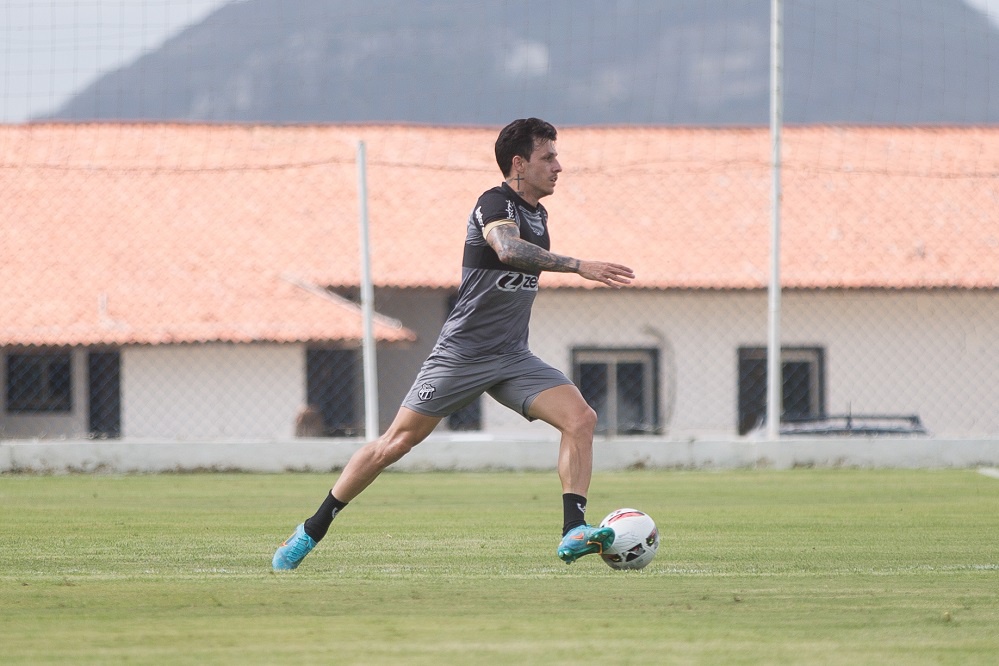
(50, 49)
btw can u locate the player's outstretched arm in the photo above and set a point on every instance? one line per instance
(515, 251)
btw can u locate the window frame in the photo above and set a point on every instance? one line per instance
(814, 356)
(44, 400)
(612, 357)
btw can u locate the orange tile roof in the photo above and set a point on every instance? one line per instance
(862, 207)
(152, 233)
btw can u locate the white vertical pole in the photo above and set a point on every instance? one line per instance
(774, 376)
(367, 305)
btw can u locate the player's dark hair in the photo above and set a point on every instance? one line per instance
(518, 138)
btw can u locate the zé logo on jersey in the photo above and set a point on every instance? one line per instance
(511, 281)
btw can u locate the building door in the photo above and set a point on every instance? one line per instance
(333, 386)
(104, 384)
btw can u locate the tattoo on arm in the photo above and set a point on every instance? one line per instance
(512, 250)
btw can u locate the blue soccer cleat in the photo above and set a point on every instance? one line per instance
(584, 540)
(291, 553)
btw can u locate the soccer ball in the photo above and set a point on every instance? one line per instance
(636, 539)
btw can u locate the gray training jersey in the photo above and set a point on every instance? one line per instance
(493, 310)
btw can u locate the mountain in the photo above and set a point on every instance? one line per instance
(574, 62)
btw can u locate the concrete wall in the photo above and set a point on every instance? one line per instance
(444, 452)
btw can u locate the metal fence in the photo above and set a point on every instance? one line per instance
(201, 281)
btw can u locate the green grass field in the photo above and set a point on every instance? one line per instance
(803, 566)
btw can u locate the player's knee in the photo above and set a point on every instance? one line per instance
(391, 448)
(582, 421)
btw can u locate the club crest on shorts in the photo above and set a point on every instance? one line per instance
(427, 391)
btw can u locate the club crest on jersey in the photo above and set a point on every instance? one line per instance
(534, 220)
(427, 391)
(511, 281)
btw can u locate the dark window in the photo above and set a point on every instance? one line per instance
(621, 385)
(41, 382)
(332, 377)
(802, 385)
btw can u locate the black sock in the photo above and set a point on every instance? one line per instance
(318, 525)
(573, 511)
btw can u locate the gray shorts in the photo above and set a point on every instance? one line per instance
(446, 384)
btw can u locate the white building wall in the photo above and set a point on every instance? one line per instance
(212, 390)
(935, 354)
(697, 336)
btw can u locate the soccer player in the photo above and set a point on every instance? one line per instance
(483, 346)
